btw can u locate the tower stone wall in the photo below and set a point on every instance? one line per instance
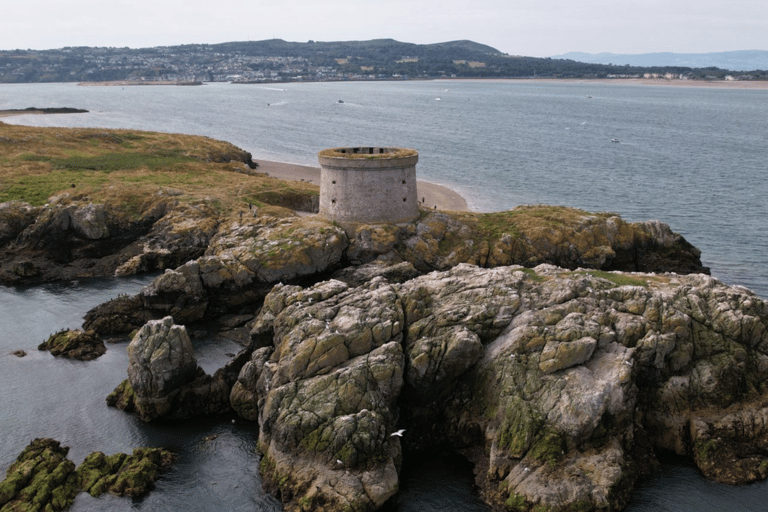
(368, 184)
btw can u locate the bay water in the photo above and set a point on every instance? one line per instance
(693, 157)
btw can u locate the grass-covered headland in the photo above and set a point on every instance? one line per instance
(96, 165)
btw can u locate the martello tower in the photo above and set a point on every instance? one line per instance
(368, 184)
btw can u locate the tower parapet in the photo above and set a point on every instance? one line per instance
(368, 184)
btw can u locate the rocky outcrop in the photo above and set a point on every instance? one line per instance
(529, 236)
(15, 216)
(64, 240)
(164, 380)
(326, 396)
(77, 344)
(247, 255)
(42, 478)
(559, 385)
(122, 474)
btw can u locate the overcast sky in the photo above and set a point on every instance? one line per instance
(538, 28)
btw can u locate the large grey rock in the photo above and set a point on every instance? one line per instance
(164, 380)
(558, 384)
(327, 396)
(160, 361)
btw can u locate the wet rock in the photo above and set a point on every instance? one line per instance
(75, 344)
(122, 314)
(122, 474)
(42, 478)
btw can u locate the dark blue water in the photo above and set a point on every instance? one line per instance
(694, 158)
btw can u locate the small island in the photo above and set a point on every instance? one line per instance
(558, 350)
(35, 110)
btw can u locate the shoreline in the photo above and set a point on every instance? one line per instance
(430, 195)
(662, 82)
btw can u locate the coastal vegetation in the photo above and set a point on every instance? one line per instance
(125, 166)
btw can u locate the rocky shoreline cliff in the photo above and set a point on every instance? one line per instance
(557, 350)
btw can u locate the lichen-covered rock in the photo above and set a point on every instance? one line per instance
(558, 384)
(179, 293)
(392, 272)
(181, 235)
(164, 380)
(15, 216)
(327, 396)
(75, 344)
(529, 235)
(160, 361)
(244, 397)
(270, 249)
(90, 221)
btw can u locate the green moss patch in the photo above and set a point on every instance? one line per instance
(42, 478)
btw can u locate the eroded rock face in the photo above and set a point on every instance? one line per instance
(160, 361)
(556, 383)
(326, 395)
(528, 235)
(164, 380)
(15, 216)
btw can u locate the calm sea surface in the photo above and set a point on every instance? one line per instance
(695, 158)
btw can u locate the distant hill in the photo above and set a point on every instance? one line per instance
(742, 60)
(275, 60)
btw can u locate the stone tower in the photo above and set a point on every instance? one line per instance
(368, 185)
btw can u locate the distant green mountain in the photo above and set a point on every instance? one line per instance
(742, 60)
(275, 60)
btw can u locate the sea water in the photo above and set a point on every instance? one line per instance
(693, 157)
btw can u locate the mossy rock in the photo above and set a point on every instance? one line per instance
(123, 397)
(77, 344)
(43, 479)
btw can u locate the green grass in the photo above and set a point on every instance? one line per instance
(110, 162)
(37, 188)
(122, 167)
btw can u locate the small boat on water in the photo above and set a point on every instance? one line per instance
(615, 140)
(340, 101)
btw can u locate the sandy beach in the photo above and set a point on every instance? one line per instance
(429, 194)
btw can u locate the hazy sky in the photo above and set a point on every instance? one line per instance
(538, 28)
